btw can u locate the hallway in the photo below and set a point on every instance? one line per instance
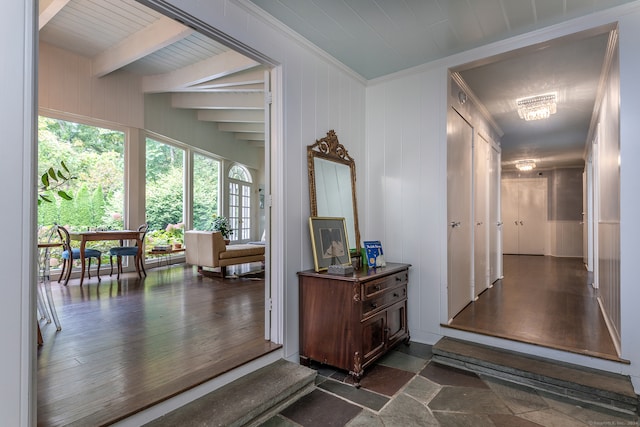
(542, 300)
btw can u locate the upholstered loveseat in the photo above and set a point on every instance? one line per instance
(208, 249)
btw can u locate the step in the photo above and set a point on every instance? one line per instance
(248, 401)
(584, 385)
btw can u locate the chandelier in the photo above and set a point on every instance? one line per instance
(525, 165)
(537, 107)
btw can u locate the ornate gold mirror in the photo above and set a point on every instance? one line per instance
(332, 185)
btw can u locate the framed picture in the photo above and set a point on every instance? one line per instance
(329, 242)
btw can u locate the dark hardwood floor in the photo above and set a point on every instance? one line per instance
(542, 300)
(126, 345)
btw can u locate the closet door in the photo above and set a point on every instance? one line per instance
(459, 212)
(532, 208)
(481, 215)
(495, 220)
(524, 212)
(510, 216)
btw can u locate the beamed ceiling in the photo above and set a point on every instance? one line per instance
(371, 37)
(219, 84)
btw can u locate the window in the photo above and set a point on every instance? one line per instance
(95, 157)
(164, 193)
(206, 177)
(240, 203)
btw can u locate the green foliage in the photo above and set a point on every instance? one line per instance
(221, 224)
(97, 206)
(96, 155)
(52, 180)
(205, 191)
(67, 214)
(48, 212)
(164, 196)
(173, 233)
(82, 212)
(165, 200)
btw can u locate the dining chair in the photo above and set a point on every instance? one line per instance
(69, 254)
(46, 307)
(120, 251)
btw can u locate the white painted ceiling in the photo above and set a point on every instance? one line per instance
(379, 37)
(372, 37)
(218, 84)
(571, 67)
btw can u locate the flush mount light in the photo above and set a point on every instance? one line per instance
(525, 165)
(537, 107)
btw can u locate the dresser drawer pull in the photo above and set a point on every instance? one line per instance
(395, 295)
(377, 287)
(374, 305)
(398, 279)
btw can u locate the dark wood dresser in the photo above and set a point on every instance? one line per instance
(351, 321)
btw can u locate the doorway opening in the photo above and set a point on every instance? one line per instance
(244, 126)
(583, 70)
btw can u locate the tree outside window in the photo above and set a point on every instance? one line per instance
(164, 193)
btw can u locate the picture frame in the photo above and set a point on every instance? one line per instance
(329, 241)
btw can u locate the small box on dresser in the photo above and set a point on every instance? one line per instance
(351, 321)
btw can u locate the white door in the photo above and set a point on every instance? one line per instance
(495, 221)
(533, 216)
(240, 211)
(459, 212)
(524, 209)
(481, 215)
(510, 216)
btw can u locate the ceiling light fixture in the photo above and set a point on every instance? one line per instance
(537, 107)
(525, 165)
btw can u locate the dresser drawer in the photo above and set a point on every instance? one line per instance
(374, 288)
(384, 300)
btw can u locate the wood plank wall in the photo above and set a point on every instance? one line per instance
(65, 84)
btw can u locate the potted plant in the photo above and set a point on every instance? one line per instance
(175, 234)
(221, 224)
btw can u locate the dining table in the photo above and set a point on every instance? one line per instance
(95, 235)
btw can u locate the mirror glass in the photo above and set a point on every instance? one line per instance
(332, 178)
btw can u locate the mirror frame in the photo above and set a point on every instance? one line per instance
(328, 148)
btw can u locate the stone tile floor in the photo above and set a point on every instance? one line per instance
(406, 389)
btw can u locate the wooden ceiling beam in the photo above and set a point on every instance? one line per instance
(162, 33)
(222, 65)
(47, 9)
(232, 116)
(225, 101)
(241, 127)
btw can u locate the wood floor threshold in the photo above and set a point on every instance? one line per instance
(219, 369)
(555, 347)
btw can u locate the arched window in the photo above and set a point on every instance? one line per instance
(240, 173)
(240, 203)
